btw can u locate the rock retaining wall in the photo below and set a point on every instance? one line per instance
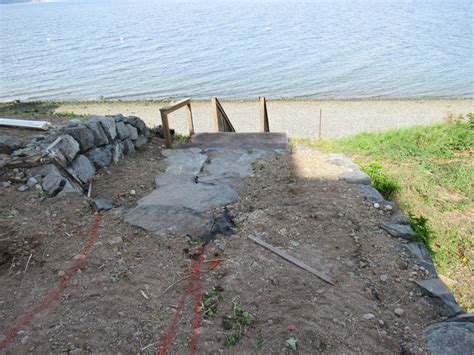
(84, 147)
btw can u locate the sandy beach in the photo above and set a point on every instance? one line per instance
(298, 118)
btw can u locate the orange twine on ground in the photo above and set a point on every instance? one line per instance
(54, 295)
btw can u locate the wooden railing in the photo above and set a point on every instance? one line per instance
(165, 111)
(264, 126)
(221, 121)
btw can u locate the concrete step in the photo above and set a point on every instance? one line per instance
(262, 141)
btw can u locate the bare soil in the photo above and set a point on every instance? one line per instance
(123, 298)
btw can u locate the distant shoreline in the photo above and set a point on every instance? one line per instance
(249, 99)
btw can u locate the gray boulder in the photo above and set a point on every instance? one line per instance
(100, 157)
(44, 170)
(450, 338)
(25, 152)
(138, 124)
(369, 193)
(108, 124)
(68, 146)
(53, 184)
(67, 188)
(8, 144)
(118, 118)
(100, 138)
(83, 168)
(438, 290)
(398, 218)
(140, 142)
(132, 132)
(117, 152)
(355, 177)
(399, 230)
(82, 135)
(128, 147)
(122, 130)
(341, 160)
(100, 203)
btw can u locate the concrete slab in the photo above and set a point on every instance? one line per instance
(262, 141)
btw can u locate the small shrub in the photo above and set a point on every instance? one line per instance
(181, 139)
(424, 234)
(383, 182)
(239, 321)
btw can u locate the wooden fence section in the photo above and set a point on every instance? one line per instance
(221, 121)
(165, 111)
(264, 126)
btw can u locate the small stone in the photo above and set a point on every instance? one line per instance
(101, 203)
(399, 312)
(61, 273)
(376, 205)
(133, 192)
(79, 257)
(383, 278)
(24, 340)
(116, 241)
(291, 327)
(32, 181)
(6, 184)
(381, 322)
(388, 208)
(38, 187)
(23, 188)
(368, 316)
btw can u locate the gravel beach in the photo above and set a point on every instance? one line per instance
(296, 117)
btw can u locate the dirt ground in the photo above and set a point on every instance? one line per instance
(120, 295)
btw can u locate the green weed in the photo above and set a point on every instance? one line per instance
(424, 234)
(238, 322)
(382, 181)
(211, 301)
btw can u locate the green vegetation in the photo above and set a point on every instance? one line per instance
(382, 181)
(33, 108)
(181, 139)
(211, 301)
(429, 171)
(238, 322)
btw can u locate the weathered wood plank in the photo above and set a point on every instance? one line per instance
(264, 126)
(10, 122)
(293, 260)
(176, 106)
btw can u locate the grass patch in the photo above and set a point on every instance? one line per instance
(429, 171)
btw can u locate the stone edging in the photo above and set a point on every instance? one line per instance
(454, 335)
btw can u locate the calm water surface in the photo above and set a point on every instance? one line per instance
(153, 49)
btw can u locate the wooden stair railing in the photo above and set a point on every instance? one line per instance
(165, 111)
(221, 121)
(264, 126)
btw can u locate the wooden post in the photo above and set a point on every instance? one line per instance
(190, 120)
(215, 112)
(166, 129)
(264, 126)
(320, 121)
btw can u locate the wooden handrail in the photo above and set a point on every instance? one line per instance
(264, 126)
(165, 111)
(221, 121)
(173, 107)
